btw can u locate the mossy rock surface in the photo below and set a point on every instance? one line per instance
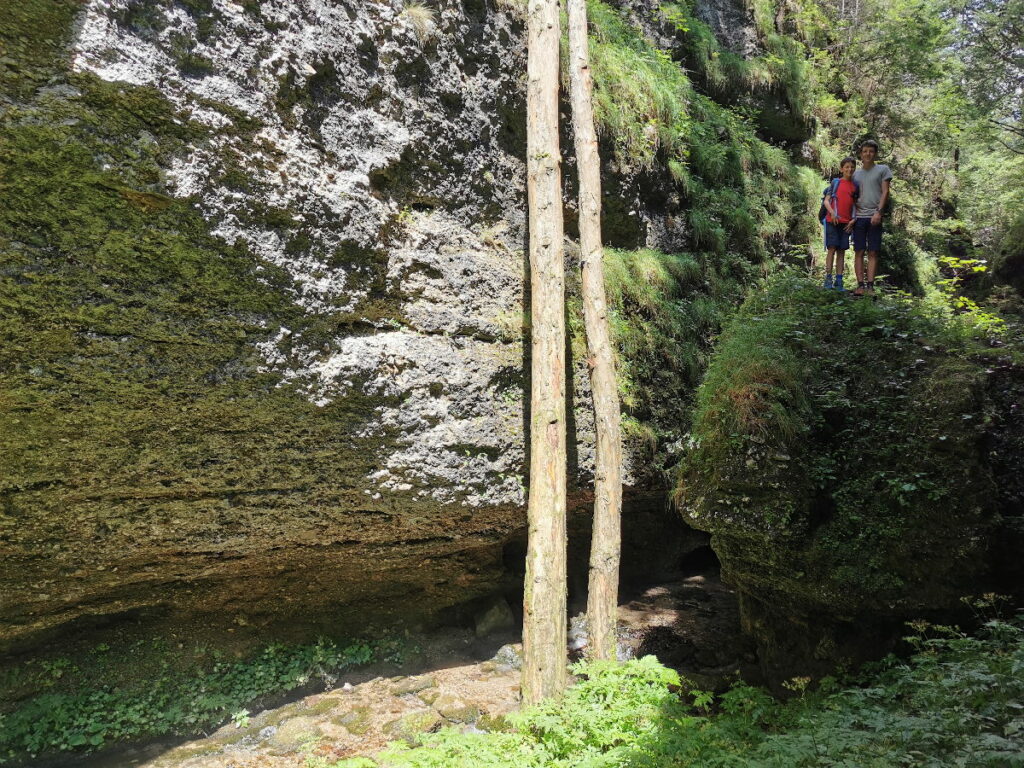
(841, 465)
(491, 723)
(411, 726)
(357, 720)
(295, 733)
(455, 709)
(413, 685)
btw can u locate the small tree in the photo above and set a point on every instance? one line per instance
(544, 599)
(605, 547)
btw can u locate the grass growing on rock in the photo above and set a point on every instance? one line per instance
(838, 452)
(742, 194)
(957, 701)
(778, 81)
(665, 311)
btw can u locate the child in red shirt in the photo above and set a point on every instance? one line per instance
(840, 198)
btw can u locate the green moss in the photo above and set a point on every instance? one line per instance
(133, 411)
(358, 720)
(32, 40)
(837, 455)
(777, 86)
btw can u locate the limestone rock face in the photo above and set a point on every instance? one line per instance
(269, 282)
(732, 23)
(356, 133)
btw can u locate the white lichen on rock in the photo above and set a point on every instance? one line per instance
(327, 103)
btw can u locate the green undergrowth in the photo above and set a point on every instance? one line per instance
(666, 310)
(740, 194)
(777, 84)
(837, 452)
(958, 701)
(90, 705)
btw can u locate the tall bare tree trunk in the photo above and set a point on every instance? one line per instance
(602, 596)
(544, 609)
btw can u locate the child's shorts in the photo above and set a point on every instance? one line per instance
(836, 236)
(867, 236)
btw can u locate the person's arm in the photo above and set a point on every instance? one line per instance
(877, 218)
(828, 207)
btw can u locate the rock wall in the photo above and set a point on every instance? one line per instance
(265, 280)
(850, 461)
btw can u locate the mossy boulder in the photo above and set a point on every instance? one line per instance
(840, 461)
(411, 726)
(357, 720)
(455, 709)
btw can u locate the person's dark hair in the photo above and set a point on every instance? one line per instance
(869, 143)
(849, 159)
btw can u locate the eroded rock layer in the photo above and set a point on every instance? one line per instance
(264, 310)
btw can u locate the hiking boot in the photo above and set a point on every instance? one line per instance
(838, 285)
(828, 282)
(869, 289)
(861, 287)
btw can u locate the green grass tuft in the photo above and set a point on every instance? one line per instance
(423, 20)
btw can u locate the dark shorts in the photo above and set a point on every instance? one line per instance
(867, 236)
(836, 236)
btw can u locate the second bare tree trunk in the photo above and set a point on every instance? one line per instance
(602, 597)
(544, 600)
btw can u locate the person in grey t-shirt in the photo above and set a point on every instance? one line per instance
(867, 225)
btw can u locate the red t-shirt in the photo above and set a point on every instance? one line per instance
(843, 203)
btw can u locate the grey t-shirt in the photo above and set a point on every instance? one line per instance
(870, 188)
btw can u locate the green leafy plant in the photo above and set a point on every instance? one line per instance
(184, 703)
(958, 701)
(240, 719)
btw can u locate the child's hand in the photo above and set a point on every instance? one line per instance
(849, 227)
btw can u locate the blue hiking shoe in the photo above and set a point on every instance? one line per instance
(838, 285)
(828, 282)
